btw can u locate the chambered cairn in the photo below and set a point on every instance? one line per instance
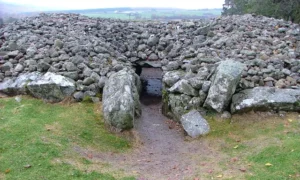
(230, 64)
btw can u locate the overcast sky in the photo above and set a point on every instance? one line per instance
(88, 4)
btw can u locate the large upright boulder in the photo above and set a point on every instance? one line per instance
(52, 87)
(194, 124)
(223, 86)
(121, 99)
(266, 98)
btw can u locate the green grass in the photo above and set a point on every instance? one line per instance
(285, 160)
(256, 140)
(51, 138)
(44, 136)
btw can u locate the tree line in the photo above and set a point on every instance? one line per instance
(285, 9)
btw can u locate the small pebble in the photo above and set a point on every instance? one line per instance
(27, 166)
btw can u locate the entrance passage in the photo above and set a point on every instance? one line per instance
(152, 85)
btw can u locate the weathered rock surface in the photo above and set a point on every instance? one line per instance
(183, 87)
(266, 98)
(121, 99)
(194, 124)
(52, 87)
(224, 84)
(171, 77)
(178, 104)
(19, 85)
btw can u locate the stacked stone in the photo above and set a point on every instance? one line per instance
(199, 58)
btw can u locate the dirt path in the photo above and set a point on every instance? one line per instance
(164, 152)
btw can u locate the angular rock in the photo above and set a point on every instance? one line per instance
(100, 49)
(58, 43)
(194, 124)
(189, 24)
(6, 67)
(229, 28)
(87, 72)
(280, 83)
(30, 62)
(223, 86)
(89, 94)
(73, 75)
(246, 84)
(121, 100)
(19, 85)
(197, 102)
(171, 77)
(31, 51)
(118, 67)
(178, 105)
(54, 69)
(77, 59)
(152, 40)
(153, 57)
(52, 87)
(142, 47)
(183, 87)
(78, 96)
(96, 77)
(43, 66)
(19, 68)
(102, 81)
(248, 53)
(196, 82)
(172, 66)
(221, 42)
(265, 99)
(63, 57)
(69, 66)
(13, 53)
(95, 99)
(87, 81)
(203, 30)
(206, 86)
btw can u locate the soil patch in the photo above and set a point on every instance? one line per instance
(164, 152)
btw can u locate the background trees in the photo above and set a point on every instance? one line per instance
(286, 9)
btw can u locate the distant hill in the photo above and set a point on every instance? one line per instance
(127, 13)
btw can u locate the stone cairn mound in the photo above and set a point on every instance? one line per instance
(233, 63)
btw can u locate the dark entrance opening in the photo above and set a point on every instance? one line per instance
(152, 85)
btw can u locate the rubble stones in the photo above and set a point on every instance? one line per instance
(91, 50)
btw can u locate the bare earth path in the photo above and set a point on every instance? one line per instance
(164, 153)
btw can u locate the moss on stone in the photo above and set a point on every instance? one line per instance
(87, 99)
